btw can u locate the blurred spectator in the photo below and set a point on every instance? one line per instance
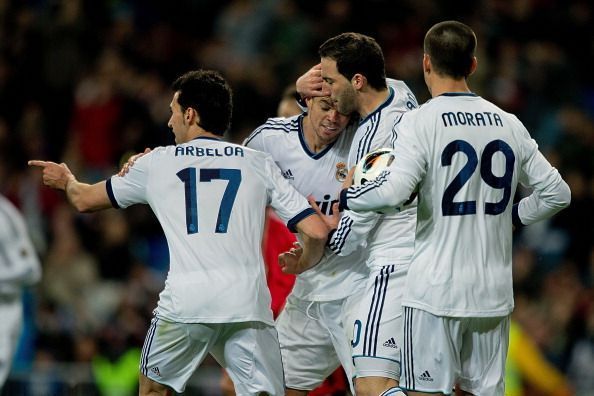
(580, 369)
(526, 366)
(20, 268)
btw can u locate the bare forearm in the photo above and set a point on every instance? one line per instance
(313, 251)
(86, 197)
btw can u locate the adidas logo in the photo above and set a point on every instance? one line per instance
(156, 371)
(391, 343)
(425, 376)
(288, 175)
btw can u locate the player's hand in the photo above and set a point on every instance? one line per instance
(311, 83)
(126, 167)
(331, 220)
(289, 261)
(54, 175)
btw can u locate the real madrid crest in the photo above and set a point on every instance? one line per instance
(341, 171)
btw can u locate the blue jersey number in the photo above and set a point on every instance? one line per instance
(188, 176)
(356, 333)
(451, 208)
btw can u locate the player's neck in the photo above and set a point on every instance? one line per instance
(199, 132)
(371, 99)
(440, 86)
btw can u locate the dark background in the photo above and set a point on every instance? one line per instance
(87, 83)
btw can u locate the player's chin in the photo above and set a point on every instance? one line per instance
(330, 133)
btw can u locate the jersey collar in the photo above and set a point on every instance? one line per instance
(306, 147)
(380, 107)
(459, 94)
(207, 138)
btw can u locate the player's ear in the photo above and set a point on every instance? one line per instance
(358, 80)
(426, 63)
(192, 116)
(473, 66)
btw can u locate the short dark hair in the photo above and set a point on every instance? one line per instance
(207, 92)
(356, 53)
(451, 46)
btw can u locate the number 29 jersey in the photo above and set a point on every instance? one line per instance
(210, 198)
(468, 156)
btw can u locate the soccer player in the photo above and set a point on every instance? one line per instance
(466, 157)
(314, 326)
(353, 71)
(19, 267)
(210, 198)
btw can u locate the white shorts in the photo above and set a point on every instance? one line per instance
(249, 352)
(439, 352)
(377, 333)
(315, 339)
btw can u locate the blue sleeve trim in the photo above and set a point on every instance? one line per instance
(342, 200)
(292, 224)
(109, 188)
(516, 217)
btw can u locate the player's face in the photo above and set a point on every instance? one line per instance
(177, 122)
(325, 119)
(342, 91)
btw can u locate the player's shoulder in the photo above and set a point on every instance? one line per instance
(10, 216)
(275, 127)
(398, 85)
(7, 205)
(403, 97)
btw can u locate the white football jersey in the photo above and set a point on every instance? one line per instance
(466, 156)
(389, 238)
(319, 175)
(19, 264)
(210, 198)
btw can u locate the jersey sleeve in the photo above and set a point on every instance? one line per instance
(286, 201)
(256, 140)
(130, 189)
(410, 100)
(395, 185)
(550, 192)
(352, 231)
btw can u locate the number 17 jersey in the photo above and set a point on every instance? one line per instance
(210, 198)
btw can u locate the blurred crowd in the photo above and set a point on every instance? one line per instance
(86, 82)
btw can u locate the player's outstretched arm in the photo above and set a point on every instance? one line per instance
(313, 233)
(84, 197)
(387, 190)
(311, 83)
(352, 231)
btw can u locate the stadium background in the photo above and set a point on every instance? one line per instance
(87, 82)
